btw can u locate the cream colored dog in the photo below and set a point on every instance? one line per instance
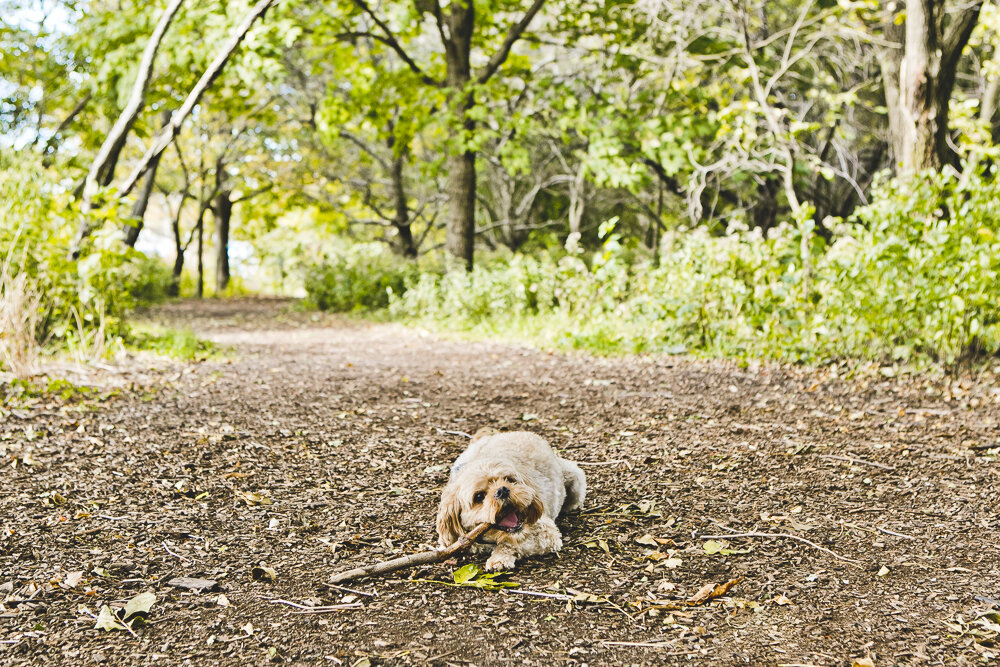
(516, 482)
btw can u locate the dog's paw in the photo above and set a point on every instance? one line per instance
(498, 562)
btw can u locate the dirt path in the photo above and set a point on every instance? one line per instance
(317, 448)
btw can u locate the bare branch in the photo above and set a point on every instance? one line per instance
(166, 137)
(513, 35)
(391, 41)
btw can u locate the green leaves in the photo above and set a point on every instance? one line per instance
(473, 576)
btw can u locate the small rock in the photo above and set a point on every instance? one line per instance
(193, 584)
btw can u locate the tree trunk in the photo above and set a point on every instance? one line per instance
(401, 219)
(222, 208)
(460, 228)
(138, 214)
(919, 64)
(175, 285)
(102, 170)
(461, 225)
(201, 252)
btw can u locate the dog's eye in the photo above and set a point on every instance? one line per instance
(510, 480)
(479, 497)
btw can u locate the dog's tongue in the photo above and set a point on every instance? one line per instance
(509, 520)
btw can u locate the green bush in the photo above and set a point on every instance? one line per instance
(361, 277)
(913, 277)
(80, 300)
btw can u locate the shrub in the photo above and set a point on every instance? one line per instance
(360, 277)
(77, 304)
(913, 277)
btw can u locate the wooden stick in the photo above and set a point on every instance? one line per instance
(422, 558)
(779, 535)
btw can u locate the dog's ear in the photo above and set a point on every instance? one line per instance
(534, 511)
(449, 518)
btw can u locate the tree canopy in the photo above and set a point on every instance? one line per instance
(446, 129)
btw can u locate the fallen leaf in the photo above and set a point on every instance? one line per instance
(599, 544)
(107, 620)
(466, 573)
(863, 662)
(713, 547)
(264, 573)
(882, 572)
(138, 607)
(711, 591)
(73, 579)
(222, 600)
(781, 600)
(248, 628)
(252, 498)
(648, 540)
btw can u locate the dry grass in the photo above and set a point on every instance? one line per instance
(20, 302)
(91, 346)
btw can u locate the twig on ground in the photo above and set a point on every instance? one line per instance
(554, 596)
(663, 644)
(599, 463)
(320, 609)
(781, 535)
(854, 459)
(328, 610)
(435, 658)
(980, 448)
(461, 433)
(892, 532)
(351, 590)
(175, 555)
(423, 558)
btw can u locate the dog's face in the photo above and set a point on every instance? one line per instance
(487, 493)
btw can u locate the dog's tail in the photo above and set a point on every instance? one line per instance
(576, 486)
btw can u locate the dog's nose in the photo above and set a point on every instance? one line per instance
(502, 493)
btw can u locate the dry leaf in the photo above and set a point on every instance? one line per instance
(252, 498)
(711, 591)
(781, 600)
(863, 662)
(73, 579)
(107, 620)
(138, 606)
(263, 573)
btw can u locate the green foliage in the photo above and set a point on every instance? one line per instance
(361, 277)
(915, 280)
(77, 298)
(180, 344)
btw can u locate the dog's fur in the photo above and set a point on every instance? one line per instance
(504, 473)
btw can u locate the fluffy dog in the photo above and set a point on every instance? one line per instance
(516, 482)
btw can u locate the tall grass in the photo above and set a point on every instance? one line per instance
(20, 303)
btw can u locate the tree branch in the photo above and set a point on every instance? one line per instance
(423, 558)
(957, 36)
(74, 112)
(391, 41)
(166, 137)
(513, 35)
(102, 169)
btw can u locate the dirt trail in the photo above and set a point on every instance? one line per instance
(319, 447)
